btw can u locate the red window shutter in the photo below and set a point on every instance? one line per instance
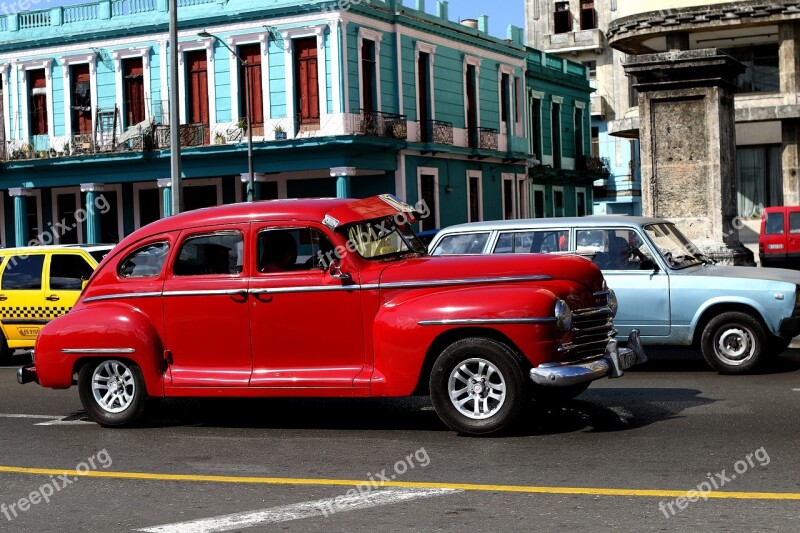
(307, 86)
(252, 55)
(37, 85)
(133, 76)
(198, 87)
(81, 100)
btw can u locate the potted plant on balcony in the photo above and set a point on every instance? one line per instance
(219, 139)
(280, 133)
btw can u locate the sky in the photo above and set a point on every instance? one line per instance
(501, 12)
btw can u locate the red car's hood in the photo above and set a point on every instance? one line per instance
(493, 267)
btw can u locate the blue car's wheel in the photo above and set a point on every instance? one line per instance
(734, 343)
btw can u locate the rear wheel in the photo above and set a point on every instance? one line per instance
(477, 386)
(734, 343)
(112, 392)
(5, 351)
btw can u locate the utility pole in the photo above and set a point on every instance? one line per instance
(174, 110)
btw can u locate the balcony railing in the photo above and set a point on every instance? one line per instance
(381, 124)
(436, 131)
(483, 138)
(190, 135)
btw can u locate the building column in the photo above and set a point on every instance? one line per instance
(789, 61)
(93, 229)
(166, 194)
(20, 214)
(342, 175)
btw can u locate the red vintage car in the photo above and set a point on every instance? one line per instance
(328, 298)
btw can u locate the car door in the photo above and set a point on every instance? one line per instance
(307, 325)
(65, 274)
(630, 269)
(206, 316)
(21, 297)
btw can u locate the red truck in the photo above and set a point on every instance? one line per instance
(328, 298)
(779, 240)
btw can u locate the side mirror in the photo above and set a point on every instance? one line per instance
(336, 271)
(648, 264)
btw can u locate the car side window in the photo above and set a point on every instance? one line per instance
(620, 249)
(293, 249)
(146, 262)
(537, 242)
(210, 255)
(23, 272)
(462, 244)
(774, 224)
(68, 272)
(794, 222)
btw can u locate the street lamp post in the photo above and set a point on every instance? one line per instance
(245, 64)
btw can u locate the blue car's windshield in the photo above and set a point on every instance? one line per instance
(678, 251)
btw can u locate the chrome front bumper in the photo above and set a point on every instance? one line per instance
(614, 362)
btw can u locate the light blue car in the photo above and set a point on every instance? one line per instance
(666, 288)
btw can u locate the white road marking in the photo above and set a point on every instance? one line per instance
(299, 511)
(796, 390)
(51, 420)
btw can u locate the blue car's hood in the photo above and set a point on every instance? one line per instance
(742, 272)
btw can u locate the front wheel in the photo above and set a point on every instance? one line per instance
(112, 392)
(733, 343)
(477, 386)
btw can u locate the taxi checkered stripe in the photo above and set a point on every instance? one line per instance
(12, 313)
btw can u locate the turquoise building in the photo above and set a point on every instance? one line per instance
(347, 98)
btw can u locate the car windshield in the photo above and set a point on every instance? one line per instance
(382, 238)
(678, 251)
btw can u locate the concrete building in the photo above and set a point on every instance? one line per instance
(575, 29)
(370, 98)
(765, 36)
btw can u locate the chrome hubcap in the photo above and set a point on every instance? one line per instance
(735, 346)
(113, 386)
(477, 389)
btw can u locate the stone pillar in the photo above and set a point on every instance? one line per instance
(93, 226)
(166, 195)
(342, 175)
(688, 146)
(789, 59)
(20, 196)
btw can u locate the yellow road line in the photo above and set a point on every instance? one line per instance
(522, 489)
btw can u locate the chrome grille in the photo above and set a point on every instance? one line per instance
(591, 329)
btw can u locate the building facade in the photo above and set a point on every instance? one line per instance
(765, 37)
(575, 30)
(353, 101)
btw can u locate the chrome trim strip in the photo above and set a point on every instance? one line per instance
(286, 290)
(446, 282)
(492, 321)
(219, 292)
(122, 296)
(104, 351)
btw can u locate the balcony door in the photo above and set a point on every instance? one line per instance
(197, 77)
(81, 100)
(306, 74)
(472, 108)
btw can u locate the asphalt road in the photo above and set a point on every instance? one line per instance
(616, 458)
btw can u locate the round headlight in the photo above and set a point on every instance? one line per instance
(612, 302)
(563, 316)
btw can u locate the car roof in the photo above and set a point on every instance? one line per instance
(59, 247)
(590, 221)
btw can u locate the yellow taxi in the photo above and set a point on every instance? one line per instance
(39, 284)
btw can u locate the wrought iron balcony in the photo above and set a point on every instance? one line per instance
(383, 124)
(483, 138)
(436, 131)
(190, 135)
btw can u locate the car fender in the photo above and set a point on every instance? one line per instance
(733, 300)
(105, 331)
(407, 326)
